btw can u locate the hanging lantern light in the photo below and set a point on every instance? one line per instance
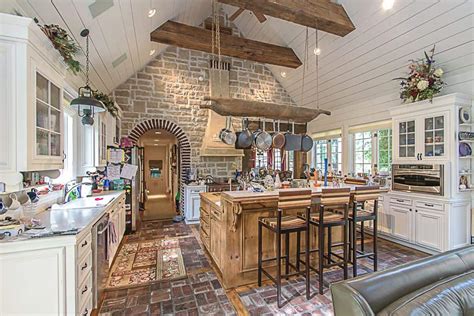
(86, 104)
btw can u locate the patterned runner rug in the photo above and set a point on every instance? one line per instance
(145, 262)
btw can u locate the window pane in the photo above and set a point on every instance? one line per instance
(42, 115)
(55, 144)
(41, 88)
(42, 140)
(55, 96)
(55, 120)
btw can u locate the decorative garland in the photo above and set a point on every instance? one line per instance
(63, 43)
(108, 102)
(423, 81)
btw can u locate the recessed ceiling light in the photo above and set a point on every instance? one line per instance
(157, 133)
(151, 13)
(387, 4)
(152, 52)
(156, 144)
(317, 51)
(156, 140)
(283, 74)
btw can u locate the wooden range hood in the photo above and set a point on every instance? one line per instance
(247, 108)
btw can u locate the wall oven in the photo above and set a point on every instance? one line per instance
(418, 178)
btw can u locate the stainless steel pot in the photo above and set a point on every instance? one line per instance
(263, 140)
(226, 134)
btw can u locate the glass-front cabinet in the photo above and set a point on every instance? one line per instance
(421, 138)
(48, 118)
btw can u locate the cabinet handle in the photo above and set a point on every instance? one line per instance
(401, 201)
(410, 209)
(84, 290)
(416, 211)
(86, 312)
(84, 266)
(84, 244)
(429, 205)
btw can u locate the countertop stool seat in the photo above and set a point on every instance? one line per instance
(363, 196)
(283, 226)
(324, 219)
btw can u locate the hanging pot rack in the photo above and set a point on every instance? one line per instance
(248, 108)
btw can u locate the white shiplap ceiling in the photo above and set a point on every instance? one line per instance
(352, 69)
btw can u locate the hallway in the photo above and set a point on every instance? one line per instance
(160, 206)
(201, 292)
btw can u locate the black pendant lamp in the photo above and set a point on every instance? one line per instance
(86, 104)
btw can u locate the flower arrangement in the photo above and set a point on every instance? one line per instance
(63, 43)
(108, 102)
(423, 81)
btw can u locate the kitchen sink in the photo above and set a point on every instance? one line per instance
(87, 202)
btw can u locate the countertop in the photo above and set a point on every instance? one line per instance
(67, 219)
(212, 197)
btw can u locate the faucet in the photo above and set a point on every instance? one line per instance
(67, 191)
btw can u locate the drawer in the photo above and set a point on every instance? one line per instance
(204, 211)
(400, 201)
(205, 226)
(84, 267)
(86, 309)
(205, 238)
(216, 214)
(85, 290)
(84, 246)
(430, 205)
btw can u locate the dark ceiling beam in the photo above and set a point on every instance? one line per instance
(318, 14)
(197, 38)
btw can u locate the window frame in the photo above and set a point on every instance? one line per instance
(374, 150)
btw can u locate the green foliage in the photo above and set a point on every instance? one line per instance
(108, 102)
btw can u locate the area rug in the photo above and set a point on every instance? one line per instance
(145, 262)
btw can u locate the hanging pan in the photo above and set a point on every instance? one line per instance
(306, 142)
(263, 140)
(292, 141)
(244, 137)
(226, 135)
(278, 137)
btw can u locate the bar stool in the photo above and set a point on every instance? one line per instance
(334, 198)
(285, 225)
(362, 196)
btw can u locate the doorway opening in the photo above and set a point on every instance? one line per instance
(161, 173)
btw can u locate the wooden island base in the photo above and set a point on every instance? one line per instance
(229, 228)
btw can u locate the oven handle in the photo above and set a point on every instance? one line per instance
(417, 173)
(103, 230)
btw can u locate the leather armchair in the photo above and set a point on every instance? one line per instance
(439, 285)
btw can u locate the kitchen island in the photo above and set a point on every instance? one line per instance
(229, 223)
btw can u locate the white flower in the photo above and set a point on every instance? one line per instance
(422, 85)
(438, 72)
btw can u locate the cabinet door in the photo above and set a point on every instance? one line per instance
(383, 218)
(429, 229)
(434, 132)
(401, 221)
(405, 139)
(216, 240)
(195, 207)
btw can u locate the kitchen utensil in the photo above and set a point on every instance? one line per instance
(226, 135)
(33, 195)
(263, 140)
(464, 115)
(466, 135)
(465, 150)
(245, 137)
(306, 142)
(278, 137)
(292, 141)
(11, 202)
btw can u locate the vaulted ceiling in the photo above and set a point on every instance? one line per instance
(355, 68)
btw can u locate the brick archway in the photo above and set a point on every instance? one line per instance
(183, 142)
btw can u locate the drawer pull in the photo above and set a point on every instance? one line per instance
(84, 290)
(429, 205)
(401, 201)
(84, 244)
(86, 312)
(84, 266)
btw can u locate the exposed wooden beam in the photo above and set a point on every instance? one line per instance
(182, 35)
(319, 14)
(236, 14)
(246, 108)
(260, 17)
(224, 29)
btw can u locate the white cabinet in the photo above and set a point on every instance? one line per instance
(192, 202)
(31, 90)
(401, 221)
(117, 220)
(429, 229)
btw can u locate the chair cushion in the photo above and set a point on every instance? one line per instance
(328, 217)
(450, 296)
(361, 214)
(286, 222)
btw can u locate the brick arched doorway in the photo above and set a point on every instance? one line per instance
(184, 146)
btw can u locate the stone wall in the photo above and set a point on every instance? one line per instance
(169, 87)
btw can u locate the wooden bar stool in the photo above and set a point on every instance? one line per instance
(363, 196)
(284, 225)
(326, 218)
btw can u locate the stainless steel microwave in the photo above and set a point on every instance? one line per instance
(418, 178)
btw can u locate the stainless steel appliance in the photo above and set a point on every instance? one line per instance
(421, 178)
(100, 267)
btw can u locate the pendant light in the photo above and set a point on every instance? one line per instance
(86, 104)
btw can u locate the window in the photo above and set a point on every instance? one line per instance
(384, 144)
(103, 141)
(336, 154)
(363, 152)
(291, 160)
(261, 159)
(68, 173)
(320, 153)
(276, 159)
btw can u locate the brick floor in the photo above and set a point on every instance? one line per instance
(201, 293)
